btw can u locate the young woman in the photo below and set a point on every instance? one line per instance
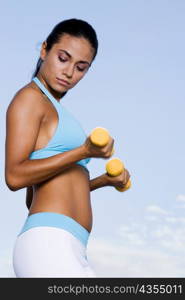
(47, 152)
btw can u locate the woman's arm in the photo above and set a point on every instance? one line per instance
(98, 182)
(22, 128)
(107, 180)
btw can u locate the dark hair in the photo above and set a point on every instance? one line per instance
(74, 27)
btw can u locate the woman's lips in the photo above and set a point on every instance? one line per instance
(63, 82)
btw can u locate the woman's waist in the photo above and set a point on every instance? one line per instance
(56, 220)
(81, 212)
(65, 185)
(67, 193)
(62, 194)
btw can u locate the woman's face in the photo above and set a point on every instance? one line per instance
(67, 60)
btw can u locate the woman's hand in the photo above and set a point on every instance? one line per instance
(96, 151)
(118, 181)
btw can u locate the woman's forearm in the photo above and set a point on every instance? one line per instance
(98, 182)
(30, 172)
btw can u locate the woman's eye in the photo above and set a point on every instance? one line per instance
(62, 59)
(81, 69)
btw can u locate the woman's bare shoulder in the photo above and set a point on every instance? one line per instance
(29, 96)
(23, 118)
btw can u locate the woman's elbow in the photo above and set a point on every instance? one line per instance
(12, 182)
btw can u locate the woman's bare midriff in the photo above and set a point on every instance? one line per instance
(68, 192)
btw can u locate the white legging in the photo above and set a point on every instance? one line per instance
(49, 251)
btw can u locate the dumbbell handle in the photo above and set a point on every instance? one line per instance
(115, 167)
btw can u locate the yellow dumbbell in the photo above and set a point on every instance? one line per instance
(100, 137)
(115, 167)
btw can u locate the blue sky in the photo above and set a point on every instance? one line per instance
(135, 89)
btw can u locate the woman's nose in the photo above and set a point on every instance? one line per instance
(68, 71)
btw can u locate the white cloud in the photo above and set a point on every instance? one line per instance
(130, 236)
(111, 259)
(151, 218)
(171, 220)
(175, 220)
(181, 198)
(162, 231)
(151, 247)
(156, 209)
(182, 220)
(172, 238)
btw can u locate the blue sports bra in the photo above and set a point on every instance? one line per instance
(68, 134)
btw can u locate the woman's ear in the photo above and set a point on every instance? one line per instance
(43, 50)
